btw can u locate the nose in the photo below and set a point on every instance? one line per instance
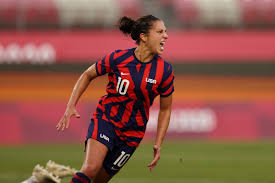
(165, 35)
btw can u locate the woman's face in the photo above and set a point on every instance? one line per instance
(157, 37)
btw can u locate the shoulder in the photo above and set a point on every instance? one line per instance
(118, 53)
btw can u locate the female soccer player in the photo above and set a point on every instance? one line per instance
(136, 76)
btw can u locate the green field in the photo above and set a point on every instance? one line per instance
(190, 162)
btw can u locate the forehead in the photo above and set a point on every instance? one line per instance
(159, 24)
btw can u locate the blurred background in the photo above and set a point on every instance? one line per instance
(223, 54)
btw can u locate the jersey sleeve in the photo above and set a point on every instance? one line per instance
(104, 65)
(166, 87)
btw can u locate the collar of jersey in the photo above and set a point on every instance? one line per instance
(133, 52)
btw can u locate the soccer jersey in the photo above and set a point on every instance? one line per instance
(131, 90)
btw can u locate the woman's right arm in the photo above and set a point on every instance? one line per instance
(79, 88)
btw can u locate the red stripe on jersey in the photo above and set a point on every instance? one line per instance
(132, 133)
(100, 107)
(114, 110)
(111, 78)
(131, 95)
(135, 144)
(159, 74)
(120, 134)
(111, 90)
(168, 91)
(104, 117)
(114, 99)
(99, 67)
(144, 83)
(107, 63)
(138, 67)
(94, 135)
(139, 119)
(109, 87)
(167, 81)
(124, 138)
(118, 124)
(128, 111)
(116, 55)
(125, 62)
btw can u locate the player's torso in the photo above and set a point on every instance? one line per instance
(136, 80)
(132, 87)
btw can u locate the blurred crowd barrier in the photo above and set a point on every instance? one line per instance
(182, 47)
(25, 14)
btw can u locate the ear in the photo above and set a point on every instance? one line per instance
(143, 37)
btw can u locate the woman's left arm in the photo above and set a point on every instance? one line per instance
(163, 123)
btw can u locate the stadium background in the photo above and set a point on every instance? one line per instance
(223, 121)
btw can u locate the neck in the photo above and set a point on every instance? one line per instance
(143, 54)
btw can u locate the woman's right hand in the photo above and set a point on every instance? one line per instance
(65, 120)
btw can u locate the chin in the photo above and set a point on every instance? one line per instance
(159, 52)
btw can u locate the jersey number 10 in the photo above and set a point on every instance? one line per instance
(122, 159)
(122, 86)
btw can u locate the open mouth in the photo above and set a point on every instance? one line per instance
(162, 45)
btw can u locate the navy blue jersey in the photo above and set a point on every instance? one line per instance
(131, 90)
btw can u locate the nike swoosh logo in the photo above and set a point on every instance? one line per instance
(122, 73)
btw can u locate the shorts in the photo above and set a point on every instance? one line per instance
(119, 152)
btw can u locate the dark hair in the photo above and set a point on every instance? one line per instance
(136, 27)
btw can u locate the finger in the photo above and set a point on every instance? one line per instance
(67, 124)
(63, 126)
(58, 126)
(65, 121)
(152, 166)
(152, 163)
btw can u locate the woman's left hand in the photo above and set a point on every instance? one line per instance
(153, 164)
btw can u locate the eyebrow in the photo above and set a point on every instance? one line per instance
(161, 29)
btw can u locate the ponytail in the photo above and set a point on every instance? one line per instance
(126, 25)
(135, 27)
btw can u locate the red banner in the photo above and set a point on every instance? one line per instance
(34, 122)
(88, 46)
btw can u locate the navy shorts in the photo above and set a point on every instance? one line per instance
(119, 152)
